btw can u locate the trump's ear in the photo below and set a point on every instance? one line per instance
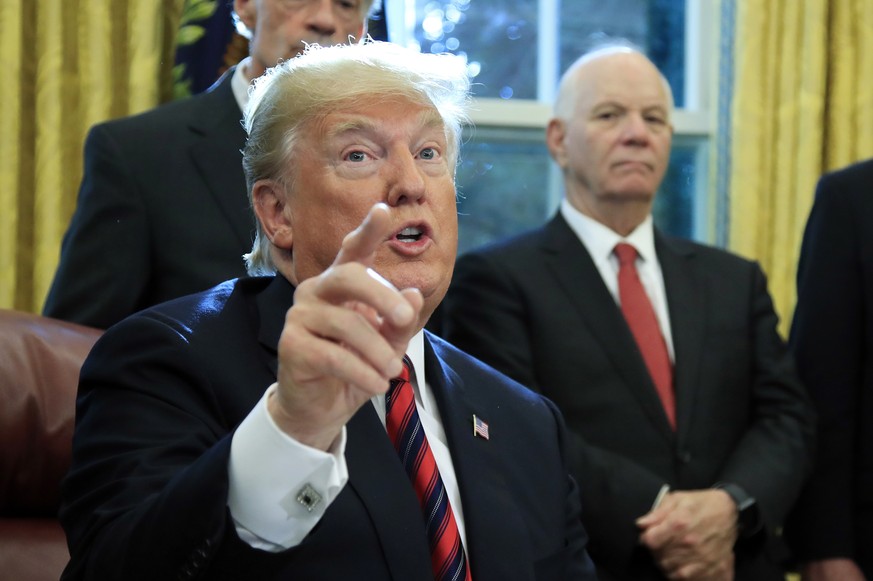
(556, 131)
(269, 202)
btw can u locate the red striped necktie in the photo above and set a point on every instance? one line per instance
(407, 435)
(640, 317)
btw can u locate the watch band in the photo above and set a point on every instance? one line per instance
(748, 516)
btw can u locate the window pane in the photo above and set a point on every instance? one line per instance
(507, 183)
(503, 185)
(678, 208)
(656, 26)
(500, 38)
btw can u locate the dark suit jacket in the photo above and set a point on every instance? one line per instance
(832, 338)
(162, 212)
(537, 309)
(162, 392)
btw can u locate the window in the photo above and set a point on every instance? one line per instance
(516, 51)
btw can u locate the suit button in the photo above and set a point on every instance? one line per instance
(684, 456)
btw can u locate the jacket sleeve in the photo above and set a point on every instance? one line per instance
(774, 455)
(146, 496)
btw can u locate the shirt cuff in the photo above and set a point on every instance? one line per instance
(280, 488)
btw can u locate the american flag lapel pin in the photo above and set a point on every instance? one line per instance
(480, 427)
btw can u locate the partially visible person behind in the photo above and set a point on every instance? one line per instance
(831, 530)
(661, 353)
(249, 431)
(162, 208)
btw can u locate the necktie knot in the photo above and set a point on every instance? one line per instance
(406, 372)
(626, 253)
(399, 381)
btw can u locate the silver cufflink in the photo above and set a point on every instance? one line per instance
(308, 497)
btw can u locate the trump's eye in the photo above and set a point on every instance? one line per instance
(356, 156)
(428, 153)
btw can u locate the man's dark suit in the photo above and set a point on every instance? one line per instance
(163, 391)
(162, 211)
(537, 309)
(832, 339)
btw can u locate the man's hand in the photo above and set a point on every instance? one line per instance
(692, 534)
(343, 340)
(831, 570)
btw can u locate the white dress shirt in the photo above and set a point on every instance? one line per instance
(240, 84)
(600, 242)
(268, 469)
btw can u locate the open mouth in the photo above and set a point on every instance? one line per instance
(410, 234)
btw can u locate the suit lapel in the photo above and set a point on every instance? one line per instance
(573, 268)
(377, 477)
(493, 549)
(686, 301)
(219, 137)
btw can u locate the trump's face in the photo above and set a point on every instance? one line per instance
(383, 150)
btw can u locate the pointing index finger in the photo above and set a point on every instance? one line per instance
(361, 244)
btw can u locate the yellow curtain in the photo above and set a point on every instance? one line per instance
(67, 64)
(802, 105)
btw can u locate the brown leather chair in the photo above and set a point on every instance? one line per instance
(39, 373)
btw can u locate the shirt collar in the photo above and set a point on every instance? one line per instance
(240, 83)
(415, 352)
(600, 240)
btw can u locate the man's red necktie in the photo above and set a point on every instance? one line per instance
(643, 323)
(404, 428)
